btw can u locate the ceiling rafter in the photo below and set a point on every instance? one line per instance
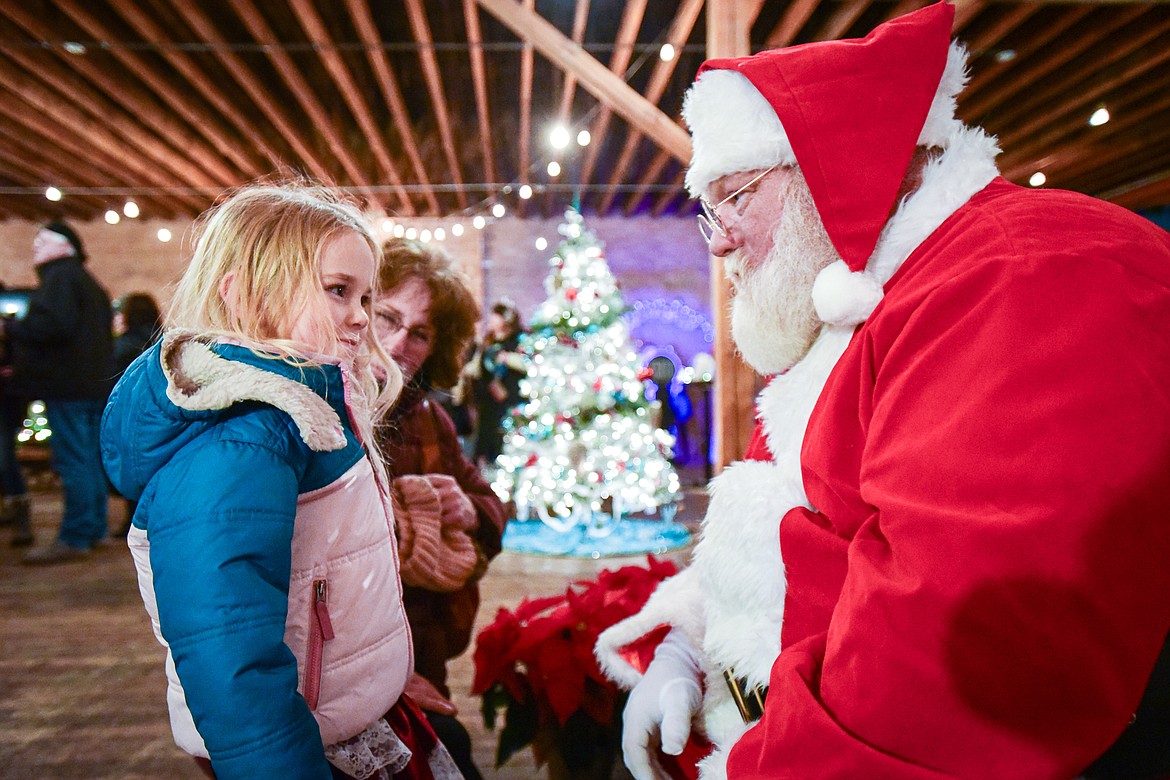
(164, 90)
(569, 82)
(794, 18)
(594, 76)
(91, 144)
(479, 86)
(26, 170)
(194, 18)
(50, 164)
(145, 25)
(569, 88)
(368, 34)
(291, 75)
(134, 108)
(527, 63)
(314, 27)
(1048, 59)
(1091, 76)
(627, 36)
(434, 80)
(842, 20)
(652, 173)
(1144, 102)
(680, 30)
(671, 194)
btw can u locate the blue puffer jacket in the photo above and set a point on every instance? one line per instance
(260, 526)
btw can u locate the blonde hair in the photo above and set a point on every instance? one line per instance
(270, 237)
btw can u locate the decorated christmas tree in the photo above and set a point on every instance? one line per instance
(583, 449)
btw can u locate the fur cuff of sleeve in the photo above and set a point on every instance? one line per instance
(677, 602)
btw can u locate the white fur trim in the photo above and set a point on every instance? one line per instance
(676, 601)
(965, 167)
(940, 125)
(733, 128)
(842, 297)
(198, 379)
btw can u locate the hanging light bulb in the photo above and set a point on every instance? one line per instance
(583, 138)
(411, 233)
(559, 137)
(525, 192)
(113, 217)
(440, 234)
(554, 168)
(478, 222)
(425, 236)
(666, 53)
(1037, 179)
(387, 225)
(399, 231)
(53, 194)
(164, 235)
(130, 209)
(457, 229)
(498, 210)
(541, 243)
(1099, 117)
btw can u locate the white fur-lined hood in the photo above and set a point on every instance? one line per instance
(187, 382)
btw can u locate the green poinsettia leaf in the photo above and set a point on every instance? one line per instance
(520, 723)
(492, 701)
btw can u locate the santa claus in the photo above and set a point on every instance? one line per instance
(945, 553)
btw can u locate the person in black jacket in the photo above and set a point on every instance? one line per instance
(62, 354)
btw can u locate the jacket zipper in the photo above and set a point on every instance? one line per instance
(320, 632)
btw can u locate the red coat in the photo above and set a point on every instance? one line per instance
(983, 591)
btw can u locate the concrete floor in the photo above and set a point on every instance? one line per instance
(81, 677)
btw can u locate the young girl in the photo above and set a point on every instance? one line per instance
(263, 536)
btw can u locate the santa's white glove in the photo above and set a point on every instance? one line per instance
(661, 706)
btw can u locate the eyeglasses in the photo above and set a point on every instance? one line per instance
(709, 221)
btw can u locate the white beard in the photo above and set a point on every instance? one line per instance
(773, 321)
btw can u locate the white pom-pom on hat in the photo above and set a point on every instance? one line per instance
(844, 297)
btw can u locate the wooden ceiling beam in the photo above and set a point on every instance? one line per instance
(569, 88)
(527, 64)
(649, 176)
(1052, 59)
(367, 30)
(965, 11)
(1007, 24)
(305, 96)
(1144, 103)
(593, 76)
(164, 90)
(680, 31)
(194, 17)
(790, 24)
(479, 86)
(54, 116)
(101, 151)
(430, 65)
(670, 195)
(619, 63)
(244, 127)
(1077, 87)
(569, 82)
(100, 110)
(840, 22)
(310, 20)
(27, 171)
(1152, 191)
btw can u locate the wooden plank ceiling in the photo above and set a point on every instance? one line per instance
(443, 108)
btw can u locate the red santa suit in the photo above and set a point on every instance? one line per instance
(970, 573)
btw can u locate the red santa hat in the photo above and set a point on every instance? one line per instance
(850, 114)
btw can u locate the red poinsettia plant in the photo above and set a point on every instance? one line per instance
(536, 663)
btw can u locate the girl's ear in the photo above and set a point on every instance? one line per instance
(227, 290)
